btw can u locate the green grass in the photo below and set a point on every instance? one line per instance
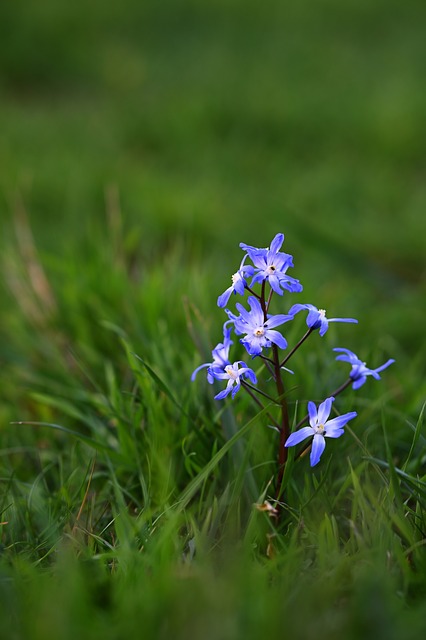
(139, 145)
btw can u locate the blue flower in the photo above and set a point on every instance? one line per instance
(259, 333)
(271, 265)
(238, 284)
(316, 317)
(233, 373)
(220, 358)
(320, 428)
(360, 371)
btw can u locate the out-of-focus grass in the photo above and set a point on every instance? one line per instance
(219, 121)
(140, 144)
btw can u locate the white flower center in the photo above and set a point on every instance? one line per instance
(231, 373)
(271, 269)
(322, 312)
(259, 332)
(320, 429)
(236, 277)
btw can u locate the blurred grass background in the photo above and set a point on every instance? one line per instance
(141, 141)
(222, 121)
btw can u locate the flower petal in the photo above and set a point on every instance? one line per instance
(313, 414)
(276, 243)
(359, 382)
(298, 307)
(298, 436)
(347, 356)
(224, 297)
(250, 374)
(324, 326)
(313, 316)
(339, 422)
(202, 366)
(277, 338)
(384, 366)
(256, 310)
(324, 410)
(225, 392)
(334, 434)
(343, 320)
(236, 387)
(318, 446)
(252, 345)
(275, 284)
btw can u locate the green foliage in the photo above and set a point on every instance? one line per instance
(140, 144)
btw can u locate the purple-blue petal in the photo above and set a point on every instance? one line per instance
(384, 366)
(318, 446)
(313, 317)
(359, 382)
(343, 320)
(336, 433)
(202, 366)
(250, 374)
(223, 394)
(239, 286)
(275, 284)
(298, 307)
(275, 321)
(276, 243)
(324, 410)
(224, 297)
(339, 422)
(299, 436)
(323, 326)
(277, 338)
(312, 411)
(236, 388)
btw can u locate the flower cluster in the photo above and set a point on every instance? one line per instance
(256, 328)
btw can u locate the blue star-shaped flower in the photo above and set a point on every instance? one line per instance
(234, 373)
(238, 284)
(316, 318)
(360, 371)
(271, 264)
(220, 358)
(320, 428)
(259, 333)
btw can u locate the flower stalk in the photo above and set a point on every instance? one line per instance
(256, 329)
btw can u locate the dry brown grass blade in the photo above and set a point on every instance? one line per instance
(30, 257)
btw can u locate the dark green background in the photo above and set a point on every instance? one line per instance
(219, 122)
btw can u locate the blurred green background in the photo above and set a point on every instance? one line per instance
(171, 131)
(223, 121)
(192, 126)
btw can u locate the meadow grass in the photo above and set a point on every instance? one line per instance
(139, 147)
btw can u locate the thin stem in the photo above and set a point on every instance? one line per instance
(342, 387)
(295, 348)
(259, 404)
(254, 293)
(262, 302)
(262, 393)
(269, 364)
(285, 423)
(271, 293)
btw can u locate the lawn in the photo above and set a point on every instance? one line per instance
(140, 143)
